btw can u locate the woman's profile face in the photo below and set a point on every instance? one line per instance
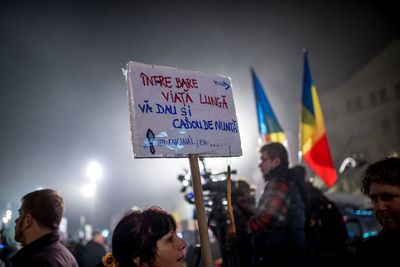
(170, 251)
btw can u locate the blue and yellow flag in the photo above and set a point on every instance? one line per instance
(268, 125)
(313, 139)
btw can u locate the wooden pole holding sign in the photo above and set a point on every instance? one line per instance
(200, 211)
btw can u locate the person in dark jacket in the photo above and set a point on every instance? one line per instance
(37, 228)
(326, 232)
(94, 250)
(278, 225)
(381, 183)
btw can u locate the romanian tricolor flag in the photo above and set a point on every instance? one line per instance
(268, 125)
(313, 140)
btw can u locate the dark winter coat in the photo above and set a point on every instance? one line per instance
(93, 253)
(380, 250)
(46, 251)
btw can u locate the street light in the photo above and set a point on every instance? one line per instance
(348, 163)
(7, 217)
(94, 171)
(88, 190)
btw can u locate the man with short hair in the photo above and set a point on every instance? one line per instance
(37, 228)
(381, 183)
(278, 225)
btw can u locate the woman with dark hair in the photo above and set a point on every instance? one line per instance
(146, 238)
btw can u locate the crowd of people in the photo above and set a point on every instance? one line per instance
(280, 230)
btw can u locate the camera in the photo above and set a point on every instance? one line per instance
(214, 185)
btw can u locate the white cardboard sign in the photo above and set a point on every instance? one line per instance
(175, 113)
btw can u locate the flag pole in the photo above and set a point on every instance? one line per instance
(300, 152)
(200, 210)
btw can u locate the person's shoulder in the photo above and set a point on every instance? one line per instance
(95, 247)
(57, 250)
(278, 184)
(278, 180)
(90, 244)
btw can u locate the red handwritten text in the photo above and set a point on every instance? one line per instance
(156, 80)
(214, 101)
(186, 83)
(177, 97)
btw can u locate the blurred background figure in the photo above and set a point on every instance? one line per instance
(8, 246)
(325, 229)
(94, 250)
(243, 200)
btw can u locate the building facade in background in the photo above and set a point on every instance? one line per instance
(362, 116)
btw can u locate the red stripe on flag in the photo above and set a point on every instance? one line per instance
(320, 161)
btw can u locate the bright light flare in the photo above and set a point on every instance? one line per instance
(7, 217)
(89, 190)
(105, 233)
(94, 171)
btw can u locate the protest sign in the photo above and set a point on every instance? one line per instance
(179, 113)
(176, 113)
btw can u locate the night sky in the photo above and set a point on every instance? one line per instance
(63, 95)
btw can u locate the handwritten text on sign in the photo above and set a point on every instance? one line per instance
(175, 113)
